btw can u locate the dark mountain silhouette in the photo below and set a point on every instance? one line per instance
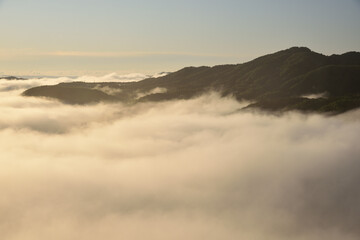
(275, 82)
(71, 95)
(11, 78)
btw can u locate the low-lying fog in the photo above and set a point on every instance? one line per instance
(196, 169)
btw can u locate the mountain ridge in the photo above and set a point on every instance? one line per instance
(275, 82)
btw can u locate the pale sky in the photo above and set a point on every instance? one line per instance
(75, 37)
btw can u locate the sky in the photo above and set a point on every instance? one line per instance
(98, 37)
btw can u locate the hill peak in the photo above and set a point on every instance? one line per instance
(299, 49)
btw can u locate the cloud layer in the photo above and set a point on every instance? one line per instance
(34, 82)
(196, 169)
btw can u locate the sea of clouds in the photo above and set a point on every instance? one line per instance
(195, 169)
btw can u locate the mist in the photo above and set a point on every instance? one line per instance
(185, 169)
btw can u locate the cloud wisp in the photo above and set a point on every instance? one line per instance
(196, 169)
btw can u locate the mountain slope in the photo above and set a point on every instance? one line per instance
(275, 82)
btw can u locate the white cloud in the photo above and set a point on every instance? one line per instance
(152, 91)
(196, 169)
(316, 96)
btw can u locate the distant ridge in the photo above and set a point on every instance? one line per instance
(275, 82)
(11, 78)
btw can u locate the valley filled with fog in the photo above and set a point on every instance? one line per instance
(181, 169)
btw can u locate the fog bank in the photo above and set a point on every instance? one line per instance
(195, 169)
